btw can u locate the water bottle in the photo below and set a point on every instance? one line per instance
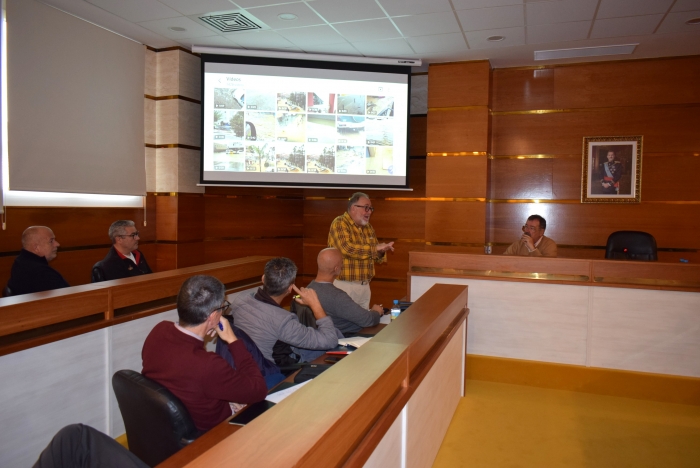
(395, 310)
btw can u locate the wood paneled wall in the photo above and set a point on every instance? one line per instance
(537, 155)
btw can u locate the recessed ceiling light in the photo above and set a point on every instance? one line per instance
(177, 29)
(693, 21)
(495, 38)
(287, 16)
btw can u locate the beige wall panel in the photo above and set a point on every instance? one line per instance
(456, 176)
(188, 166)
(458, 130)
(189, 123)
(149, 121)
(151, 170)
(642, 333)
(462, 222)
(167, 120)
(434, 402)
(166, 169)
(190, 76)
(168, 73)
(388, 453)
(628, 83)
(665, 130)
(522, 89)
(459, 84)
(511, 319)
(673, 225)
(150, 82)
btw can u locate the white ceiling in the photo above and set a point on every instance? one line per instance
(432, 30)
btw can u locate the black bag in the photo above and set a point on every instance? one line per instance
(304, 314)
(310, 371)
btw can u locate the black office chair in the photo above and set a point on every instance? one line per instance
(6, 291)
(631, 245)
(98, 273)
(157, 423)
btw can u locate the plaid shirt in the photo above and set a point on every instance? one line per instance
(358, 244)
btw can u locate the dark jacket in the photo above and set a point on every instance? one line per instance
(32, 273)
(114, 267)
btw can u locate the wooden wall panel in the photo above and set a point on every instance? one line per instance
(219, 250)
(191, 254)
(384, 292)
(457, 130)
(673, 225)
(456, 176)
(602, 84)
(418, 128)
(522, 178)
(166, 218)
(463, 222)
(671, 177)
(190, 219)
(665, 130)
(522, 89)
(459, 84)
(628, 83)
(252, 217)
(166, 255)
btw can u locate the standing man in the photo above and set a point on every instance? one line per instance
(31, 271)
(123, 260)
(610, 174)
(354, 237)
(533, 242)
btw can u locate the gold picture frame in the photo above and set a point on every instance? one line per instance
(612, 169)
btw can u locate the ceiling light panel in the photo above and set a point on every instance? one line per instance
(585, 52)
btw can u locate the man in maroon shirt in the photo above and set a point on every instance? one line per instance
(174, 356)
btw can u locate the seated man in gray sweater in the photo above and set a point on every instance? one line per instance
(261, 317)
(347, 315)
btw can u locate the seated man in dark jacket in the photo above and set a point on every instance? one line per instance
(348, 316)
(123, 260)
(31, 271)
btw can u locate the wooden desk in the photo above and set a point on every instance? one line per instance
(392, 398)
(638, 316)
(59, 350)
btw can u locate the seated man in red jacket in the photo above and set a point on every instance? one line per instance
(174, 356)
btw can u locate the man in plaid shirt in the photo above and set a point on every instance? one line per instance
(352, 234)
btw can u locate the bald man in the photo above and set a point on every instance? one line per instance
(31, 271)
(347, 315)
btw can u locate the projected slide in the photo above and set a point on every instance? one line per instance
(285, 125)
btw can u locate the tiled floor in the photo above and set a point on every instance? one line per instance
(502, 425)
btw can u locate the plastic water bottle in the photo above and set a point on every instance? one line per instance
(395, 310)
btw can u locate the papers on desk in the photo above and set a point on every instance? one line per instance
(282, 394)
(355, 341)
(385, 319)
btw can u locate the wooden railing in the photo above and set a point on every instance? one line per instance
(35, 319)
(341, 417)
(613, 273)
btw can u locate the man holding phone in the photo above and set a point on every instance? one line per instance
(533, 242)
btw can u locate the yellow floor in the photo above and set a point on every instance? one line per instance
(502, 425)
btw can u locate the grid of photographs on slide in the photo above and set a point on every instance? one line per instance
(298, 131)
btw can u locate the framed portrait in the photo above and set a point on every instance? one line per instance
(612, 169)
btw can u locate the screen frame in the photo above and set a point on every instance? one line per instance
(295, 63)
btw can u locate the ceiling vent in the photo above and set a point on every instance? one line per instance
(232, 22)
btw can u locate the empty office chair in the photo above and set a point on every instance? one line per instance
(157, 423)
(631, 245)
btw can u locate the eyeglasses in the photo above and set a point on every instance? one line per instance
(530, 228)
(132, 235)
(366, 207)
(224, 308)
